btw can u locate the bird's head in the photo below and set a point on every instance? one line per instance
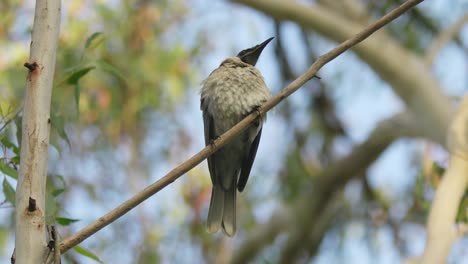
(251, 55)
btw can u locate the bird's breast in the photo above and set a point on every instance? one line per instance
(230, 93)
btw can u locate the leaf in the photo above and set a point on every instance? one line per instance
(63, 221)
(7, 170)
(58, 122)
(16, 160)
(53, 181)
(19, 128)
(94, 39)
(7, 143)
(4, 235)
(77, 98)
(51, 208)
(8, 191)
(109, 68)
(53, 141)
(86, 253)
(78, 74)
(57, 192)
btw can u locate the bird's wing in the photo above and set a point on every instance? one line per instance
(209, 136)
(248, 162)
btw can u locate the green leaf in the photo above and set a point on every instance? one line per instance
(4, 235)
(7, 170)
(77, 98)
(19, 128)
(95, 39)
(63, 221)
(7, 143)
(436, 168)
(57, 192)
(462, 215)
(8, 191)
(78, 74)
(109, 68)
(58, 122)
(16, 160)
(86, 253)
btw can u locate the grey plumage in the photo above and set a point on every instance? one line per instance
(229, 94)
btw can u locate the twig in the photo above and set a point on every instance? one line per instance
(13, 257)
(237, 129)
(11, 119)
(56, 238)
(54, 246)
(443, 38)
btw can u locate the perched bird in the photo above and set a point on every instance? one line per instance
(230, 93)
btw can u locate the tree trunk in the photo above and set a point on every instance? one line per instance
(31, 244)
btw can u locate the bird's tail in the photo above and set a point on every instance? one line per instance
(229, 214)
(222, 212)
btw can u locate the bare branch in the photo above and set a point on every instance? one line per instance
(334, 177)
(280, 221)
(31, 245)
(237, 129)
(441, 222)
(443, 38)
(303, 220)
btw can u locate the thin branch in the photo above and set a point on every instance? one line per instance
(403, 70)
(443, 38)
(334, 177)
(237, 129)
(441, 221)
(54, 253)
(7, 122)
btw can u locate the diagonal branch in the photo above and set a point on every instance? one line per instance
(310, 209)
(444, 37)
(406, 72)
(237, 129)
(334, 177)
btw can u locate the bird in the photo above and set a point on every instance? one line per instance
(230, 93)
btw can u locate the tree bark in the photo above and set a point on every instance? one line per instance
(31, 244)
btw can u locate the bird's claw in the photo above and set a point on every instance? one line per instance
(256, 109)
(213, 142)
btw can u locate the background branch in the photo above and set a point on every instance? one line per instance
(336, 176)
(443, 38)
(441, 221)
(302, 221)
(237, 129)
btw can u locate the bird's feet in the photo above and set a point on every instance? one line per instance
(256, 110)
(213, 142)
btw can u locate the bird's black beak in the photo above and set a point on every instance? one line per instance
(251, 55)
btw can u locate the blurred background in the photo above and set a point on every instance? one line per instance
(343, 173)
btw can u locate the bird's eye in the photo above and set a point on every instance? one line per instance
(241, 53)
